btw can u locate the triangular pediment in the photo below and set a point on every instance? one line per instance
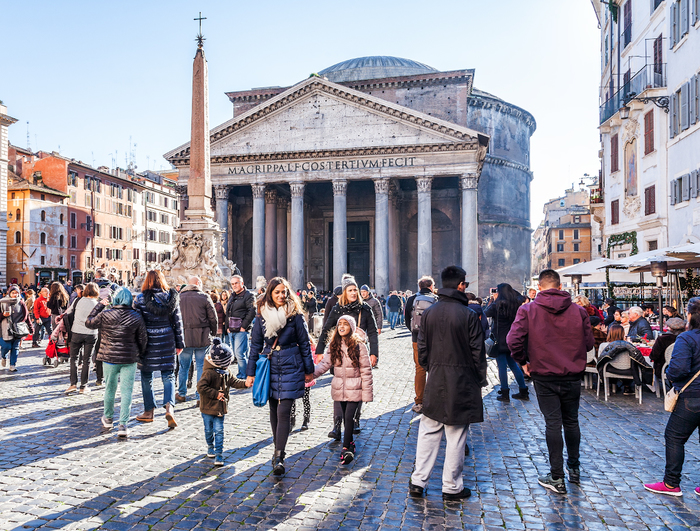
(318, 115)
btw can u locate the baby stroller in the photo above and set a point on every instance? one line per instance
(57, 351)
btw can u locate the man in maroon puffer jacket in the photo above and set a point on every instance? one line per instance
(550, 338)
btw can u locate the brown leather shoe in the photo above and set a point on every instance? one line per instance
(146, 416)
(179, 398)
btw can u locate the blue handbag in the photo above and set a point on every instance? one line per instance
(261, 385)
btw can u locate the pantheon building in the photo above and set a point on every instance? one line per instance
(382, 167)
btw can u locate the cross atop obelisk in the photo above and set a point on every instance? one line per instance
(199, 180)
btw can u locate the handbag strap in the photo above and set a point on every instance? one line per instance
(691, 381)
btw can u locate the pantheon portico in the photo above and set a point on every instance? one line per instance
(321, 179)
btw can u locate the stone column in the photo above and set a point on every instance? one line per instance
(381, 236)
(258, 230)
(270, 233)
(222, 214)
(468, 183)
(340, 230)
(425, 227)
(394, 237)
(282, 236)
(296, 273)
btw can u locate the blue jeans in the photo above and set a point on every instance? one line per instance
(149, 397)
(12, 347)
(185, 362)
(41, 324)
(122, 373)
(681, 425)
(393, 319)
(504, 361)
(239, 344)
(214, 434)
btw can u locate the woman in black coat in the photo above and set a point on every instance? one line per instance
(123, 340)
(280, 332)
(160, 308)
(502, 310)
(350, 303)
(14, 312)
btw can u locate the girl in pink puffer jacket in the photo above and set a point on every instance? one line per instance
(352, 376)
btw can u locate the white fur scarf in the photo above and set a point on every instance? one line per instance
(275, 318)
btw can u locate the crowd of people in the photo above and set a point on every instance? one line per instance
(271, 334)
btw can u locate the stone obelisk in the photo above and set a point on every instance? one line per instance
(198, 243)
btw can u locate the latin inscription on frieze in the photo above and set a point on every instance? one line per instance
(328, 165)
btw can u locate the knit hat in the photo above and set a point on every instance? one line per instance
(338, 291)
(350, 320)
(221, 354)
(347, 281)
(676, 324)
(364, 287)
(14, 287)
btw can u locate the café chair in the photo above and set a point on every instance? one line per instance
(590, 371)
(621, 362)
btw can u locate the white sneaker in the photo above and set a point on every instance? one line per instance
(210, 453)
(123, 431)
(107, 423)
(13, 368)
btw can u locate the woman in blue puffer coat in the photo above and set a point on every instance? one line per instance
(159, 305)
(280, 331)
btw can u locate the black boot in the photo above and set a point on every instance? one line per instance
(278, 463)
(305, 424)
(357, 428)
(523, 394)
(504, 396)
(335, 432)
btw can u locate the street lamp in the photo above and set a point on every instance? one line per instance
(660, 101)
(658, 270)
(577, 278)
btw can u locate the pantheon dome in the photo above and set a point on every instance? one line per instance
(341, 141)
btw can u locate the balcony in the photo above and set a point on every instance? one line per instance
(651, 76)
(596, 196)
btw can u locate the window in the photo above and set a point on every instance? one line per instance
(42, 238)
(117, 233)
(98, 230)
(627, 32)
(615, 212)
(658, 61)
(560, 247)
(60, 260)
(561, 234)
(163, 237)
(72, 261)
(152, 236)
(614, 154)
(87, 262)
(577, 261)
(562, 262)
(61, 240)
(164, 219)
(152, 216)
(650, 200)
(18, 237)
(98, 252)
(655, 4)
(575, 234)
(151, 256)
(43, 197)
(576, 247)
(18, 215)
(73, 242)
(72, 178)
(43, 215)
(108, 254)
(73, 220)
(87, 242)
(649, 132)
(43, 260)
(652, 245)
(13, 195)
(577, 219)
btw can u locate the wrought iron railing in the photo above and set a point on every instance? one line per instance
(649, 77)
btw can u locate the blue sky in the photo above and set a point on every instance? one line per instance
(88, 76)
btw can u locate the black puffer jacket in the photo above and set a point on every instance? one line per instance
(366, 322)
(241, 305)
(123, 336)
(161, 314)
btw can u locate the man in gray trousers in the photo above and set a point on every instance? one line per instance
(451, 350)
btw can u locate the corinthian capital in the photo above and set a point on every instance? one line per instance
(340, 187)
(424, 184)
(258, 190)
(469, 181)
(381, 186)
(297, 189)
(271, 196)
(221, 191)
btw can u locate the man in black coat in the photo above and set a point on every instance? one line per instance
(451, 350)
(240, 312)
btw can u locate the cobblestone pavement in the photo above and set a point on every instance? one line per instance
(59, 470)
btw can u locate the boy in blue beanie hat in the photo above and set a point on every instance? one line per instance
(213, 396)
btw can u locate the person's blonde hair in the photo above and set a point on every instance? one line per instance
(582, 300)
